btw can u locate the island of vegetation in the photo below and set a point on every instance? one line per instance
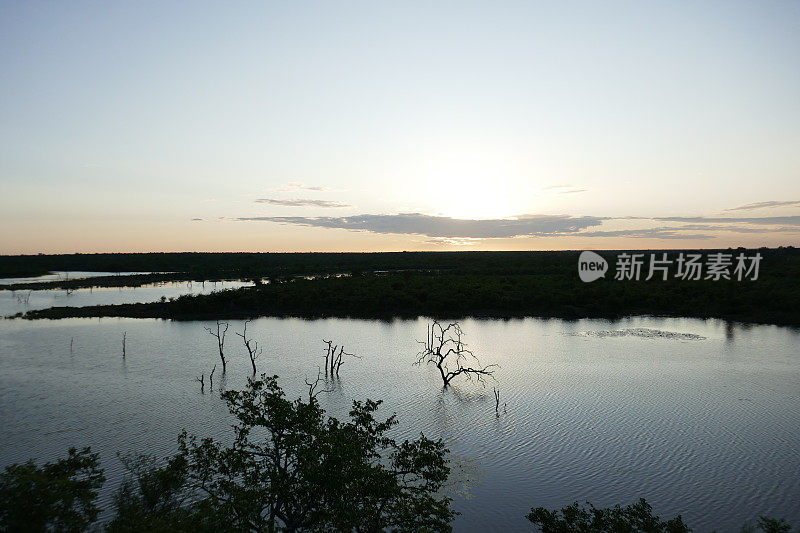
(409, 284)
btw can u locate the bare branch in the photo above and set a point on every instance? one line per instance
(253, 351)
(444, 349)
(312, 386)
(328, 354)
(333, 359)
(220, 336)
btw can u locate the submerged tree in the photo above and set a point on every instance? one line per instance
(253, 351)
(202, 381)
(220, 335)
(444, 349)
(333, 359)
(57, 496)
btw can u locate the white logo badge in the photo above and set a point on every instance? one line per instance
(591, 266)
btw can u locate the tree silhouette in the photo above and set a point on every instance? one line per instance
(220, 335)
(444, 349)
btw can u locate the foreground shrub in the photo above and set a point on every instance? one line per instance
(57, 496)
(291, 468)
(637, 517)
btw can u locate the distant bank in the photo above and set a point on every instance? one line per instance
(445, 284)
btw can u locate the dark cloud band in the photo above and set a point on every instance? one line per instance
(433, 226)
(762, 205)
(772, 221)
(437, 227)
(300, 202)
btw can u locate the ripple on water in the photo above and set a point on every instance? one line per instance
(645, 333)
(591, 416)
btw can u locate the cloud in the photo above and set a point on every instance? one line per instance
(296, 185)
(738, 229)
(651, 233)
(786, 221)
(300, 202)
(564, 189)
(445, 241)
(197, 220)
(760, 205)
(686, 231)
(446, 227)
(449, 231)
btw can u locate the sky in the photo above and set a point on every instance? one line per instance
(388, 126)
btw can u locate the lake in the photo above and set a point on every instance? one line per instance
(700, 417)
(12, 302)
(63, 275)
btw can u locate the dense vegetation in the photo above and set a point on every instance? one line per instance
(289, 468)
(500, 285)
(453, 284)
(58, 496)
(249, 265)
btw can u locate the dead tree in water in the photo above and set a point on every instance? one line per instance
(444, 349)
(211, 379)
(333, 359)
(496, 400)
(202, 381)
(252, 347)
(124, 344)
(312, 386)
(24, 299)
(220, 335)
(328, 355)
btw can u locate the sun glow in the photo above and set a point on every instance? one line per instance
(472, 187)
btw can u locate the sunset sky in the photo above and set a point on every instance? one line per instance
(371, 126)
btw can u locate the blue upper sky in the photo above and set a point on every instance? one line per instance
(138, 126)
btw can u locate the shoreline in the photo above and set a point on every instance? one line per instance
(458, 284)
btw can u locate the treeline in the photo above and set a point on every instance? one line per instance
(549, 293)
(259, 265)
(248, 265)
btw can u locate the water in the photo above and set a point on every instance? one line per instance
(698, 417)
(12, 302)
(61, 275)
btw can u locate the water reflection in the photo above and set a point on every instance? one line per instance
(12, 302)
(63, 275)
(703, 427)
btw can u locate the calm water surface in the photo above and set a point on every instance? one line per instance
(12, 302)
(61, 275)
(699, 417)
